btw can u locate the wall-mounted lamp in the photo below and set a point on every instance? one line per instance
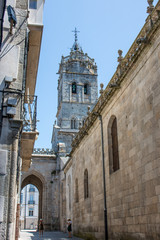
(11, 18)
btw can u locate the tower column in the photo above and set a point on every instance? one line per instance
(83, 93)
(70, 92)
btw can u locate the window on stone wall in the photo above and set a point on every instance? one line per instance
(30, 212)
(33, 4)
(76, 191)
(74, 88)
(86, 89)
(73, 123)
(113, 145)
(86, 193)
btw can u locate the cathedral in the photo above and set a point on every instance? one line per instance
(111, 183)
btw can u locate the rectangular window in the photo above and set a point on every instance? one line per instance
(30, 212)
(33, 4)
(31, 197)
(74, 88)
(85, 89)
(21, 199)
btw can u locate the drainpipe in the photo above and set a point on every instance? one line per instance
(104, 181)
(2, 11)
(104, 178)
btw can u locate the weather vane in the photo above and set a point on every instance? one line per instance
(75, 34)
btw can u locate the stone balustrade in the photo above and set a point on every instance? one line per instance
(43, 151)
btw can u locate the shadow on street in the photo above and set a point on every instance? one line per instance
(34, 235)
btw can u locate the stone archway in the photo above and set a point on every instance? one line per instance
(40, 175)
(32, 179)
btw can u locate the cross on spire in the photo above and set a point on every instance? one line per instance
(75, 34)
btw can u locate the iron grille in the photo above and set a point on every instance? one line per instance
(29, 113)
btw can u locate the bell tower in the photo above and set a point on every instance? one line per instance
(77, 89)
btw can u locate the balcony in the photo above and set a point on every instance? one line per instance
(32, 190)
(29, 132)
(31, 202)
(35, 27)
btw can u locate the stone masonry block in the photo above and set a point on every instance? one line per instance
(157, 188)
(3, 161)
(1, 208)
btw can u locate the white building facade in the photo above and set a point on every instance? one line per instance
(29, 207)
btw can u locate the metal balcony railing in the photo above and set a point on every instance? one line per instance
(29, 113)
(32, 190)
(31, 202)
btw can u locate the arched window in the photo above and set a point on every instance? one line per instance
(33, 4)
(76, 191)
(86, 194)
(73, 123)
(74, 88)
(113, 145)
(85, 88)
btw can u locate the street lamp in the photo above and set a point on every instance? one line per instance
(104, 180)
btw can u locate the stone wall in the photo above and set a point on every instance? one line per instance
(12, 55)
(44, 169)
(133, 191)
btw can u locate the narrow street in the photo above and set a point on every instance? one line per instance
(33, 235)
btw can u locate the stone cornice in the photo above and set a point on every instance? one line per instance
(140, 43)
(78, 73)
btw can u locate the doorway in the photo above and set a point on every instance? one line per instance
(31, 202)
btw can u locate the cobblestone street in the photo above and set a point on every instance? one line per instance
(33, 235)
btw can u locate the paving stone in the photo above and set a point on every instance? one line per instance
(33, 235)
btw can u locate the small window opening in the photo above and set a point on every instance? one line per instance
(31, 212)
(76, 191)
(73, 123)
(86, 89)
(86, 194)
(33, 4)
(74, 88)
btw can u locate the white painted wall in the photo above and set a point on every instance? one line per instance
(34, 206)
(36, 15)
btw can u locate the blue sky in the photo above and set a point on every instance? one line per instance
(105, 27)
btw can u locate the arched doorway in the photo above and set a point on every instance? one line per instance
(35, 181)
